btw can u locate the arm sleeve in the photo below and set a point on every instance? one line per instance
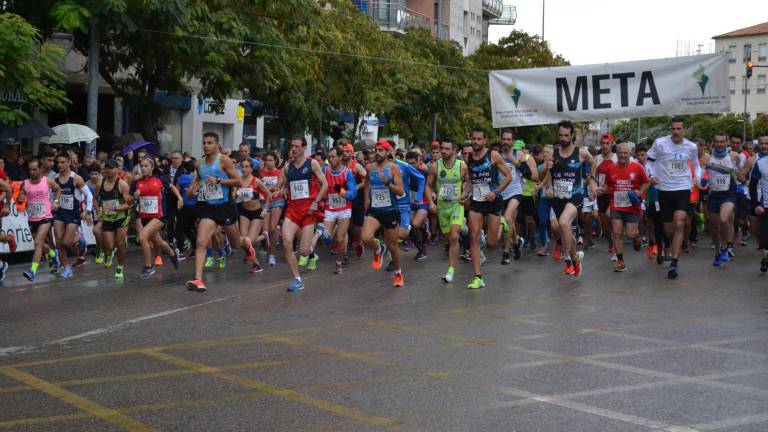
(351, 186)
(88, 198)
(420, 181)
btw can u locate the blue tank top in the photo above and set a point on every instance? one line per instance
(566, 175)
(382, 199)
(68, 202)
(212, 194)
(484, 176)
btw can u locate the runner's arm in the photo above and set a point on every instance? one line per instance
(397, 180)
(420, 182)
(264, 192)
(125, 190)
(318, 171)
(429, 188)
(228, 167)
(504, 169)
(363, 174)
(351, 187)
(56, 190)
(86, 193)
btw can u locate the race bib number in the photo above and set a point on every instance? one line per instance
(244, 195)
(148, 205)
(109, 207)
(562, 189)
(210, 192)
(677, 167)
(600, 180)
(380, 198)
(336, 201)
(36, 210)
(270, 182)
(299, 189)
(621, 199)
(449, 192)
(480, 190)
(67, 202)
(721, 184)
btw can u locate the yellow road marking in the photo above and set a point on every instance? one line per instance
(90, 407)
(276, 391)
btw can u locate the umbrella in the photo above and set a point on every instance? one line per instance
(150, 147)
(129, 139)
(71, 133)
(29, 129)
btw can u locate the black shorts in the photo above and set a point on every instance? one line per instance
(558, 204)
(527, 206)
(358, 213)
(505, 203)
(603, 202)
(388, 220)
(145, 222)
(672, 201)
(112, 226)
(249, 214)
(223, 214)
(33, 226)
(487, 207)
(742, 206)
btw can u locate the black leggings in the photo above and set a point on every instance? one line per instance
(764, 231)
(185, 225)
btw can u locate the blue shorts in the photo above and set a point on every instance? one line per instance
(277, 204)
(68, 217)
(405, 217)
(715, 200)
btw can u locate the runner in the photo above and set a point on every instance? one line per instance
(604, 161)
(762, 151)
(384, 185)
(94, 180)
(342, 191)
(216, 174)
(115, 203)
(449, 180)
(358, 208)
(566, 169)
(624, 183)
(249, 207)
(758, 192)
(669, 171)
(490, 176)
(307, 187)
(413, 181)
(150, 194)
(522, 169)
(187, 216)
(419, 234)
(37, 191)
(66, 218)
(270, 175)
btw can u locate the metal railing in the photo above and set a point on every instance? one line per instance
(508, 16)
(442, 31)
(493, 8)
(396, 17)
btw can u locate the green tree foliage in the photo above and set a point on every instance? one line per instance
(30, 68)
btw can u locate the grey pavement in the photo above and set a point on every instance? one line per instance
(534, 351)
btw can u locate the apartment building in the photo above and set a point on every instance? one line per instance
(754, 89)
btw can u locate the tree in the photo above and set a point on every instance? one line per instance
(30, 68)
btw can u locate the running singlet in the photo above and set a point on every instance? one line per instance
(68, 202)
(215, 194)
(341, 179)
(303, 185)
(270, 180)
(448, 182)
(38, 200)
(484, 176)
(566, 175)
(382, 199)
(515, 187)
(621, 180)
(110, 200)
(603, 166)
(247, 193)
(150, 198)
(722, 172)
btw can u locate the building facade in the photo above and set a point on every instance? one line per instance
(755, 89)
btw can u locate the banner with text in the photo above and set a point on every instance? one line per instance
(17, 224)
(681, 85)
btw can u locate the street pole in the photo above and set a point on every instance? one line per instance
(93, 83)
(747, 57)
(543, 3)
(638, 132)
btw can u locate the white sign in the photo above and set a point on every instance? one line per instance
(17, 224)
(681, 85)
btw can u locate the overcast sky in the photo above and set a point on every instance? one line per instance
(605, 31)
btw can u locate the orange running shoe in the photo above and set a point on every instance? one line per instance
(399, 280)
(196, 285)
(158, 260)
(378, 257)
(558, 253)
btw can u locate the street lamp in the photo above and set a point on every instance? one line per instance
(748, 63)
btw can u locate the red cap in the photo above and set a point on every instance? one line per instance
(608, 137)
(384, 144)
(348, 147)
(435, 144)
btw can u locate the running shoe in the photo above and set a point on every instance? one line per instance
(147, 272)
(158, 260)
(718, 262)
(725, 256)
(448, 278)
(477, 283)
(466, 256)
(644, 241)
(420, 256)
(378, 257)
(569, 269)
(660, 257)
(208, 262)
(325, 236)
(196, 285)
(672, 273)
(79, 262)
(99, 257)
(390, 267)
(119, 272)
(272, 261)
(558, 252)
(637, 244)
(614, 258)
(250, 253)
(517, 248)
(3, 269)
(65, 273)
(505, 258)
(108, 259)
(619, 266)
(504, 226)
(256, 268)
(543, 251)
(359, 250)
(28, 275)
(577, 263)
(483, 258)
(302, 260)
(55, 262)
(339, 267)
(296, 285)
(399, 280)
(731, 252)
(176, 258)
(652, 250)
(222, 262)
(312, 262)
(764, 264)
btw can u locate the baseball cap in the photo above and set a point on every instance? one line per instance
(384, 144)
(518, 145)
(112, 163)
(435, 144)
(608, 137)
(348, 147)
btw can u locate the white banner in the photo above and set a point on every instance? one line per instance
(681, 85)
(18, 224)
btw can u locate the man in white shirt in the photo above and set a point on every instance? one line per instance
(671, 160)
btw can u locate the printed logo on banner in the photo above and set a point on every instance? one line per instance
(701, 78)
(514, 92)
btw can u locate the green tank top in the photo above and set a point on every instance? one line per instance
(448, 182)
(529, 185)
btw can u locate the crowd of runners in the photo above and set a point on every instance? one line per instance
(460, 198)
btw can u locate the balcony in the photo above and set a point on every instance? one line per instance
(493, 8)
(508, 16)
(396, 17)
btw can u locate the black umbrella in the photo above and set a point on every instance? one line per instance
(29, 129)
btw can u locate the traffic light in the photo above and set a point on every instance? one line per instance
(749, 69)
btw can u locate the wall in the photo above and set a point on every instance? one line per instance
(756, 102)
(192, 123)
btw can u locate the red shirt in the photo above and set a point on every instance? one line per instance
(621, 179)
(270, 180)
(602, 171)
(150, 198)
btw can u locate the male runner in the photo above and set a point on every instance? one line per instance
(758, 192)
(115, 204)
(342, 190)
(603, 162)
(66, 219)
(358, 208)
(522, 169)
(722, 167)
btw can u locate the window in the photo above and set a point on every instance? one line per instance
(466, 21)
(732, 54)
(732, 84)
(762, 51)
(744, 88)
(761, 84)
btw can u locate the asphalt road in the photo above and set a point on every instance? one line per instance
(534, 351)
